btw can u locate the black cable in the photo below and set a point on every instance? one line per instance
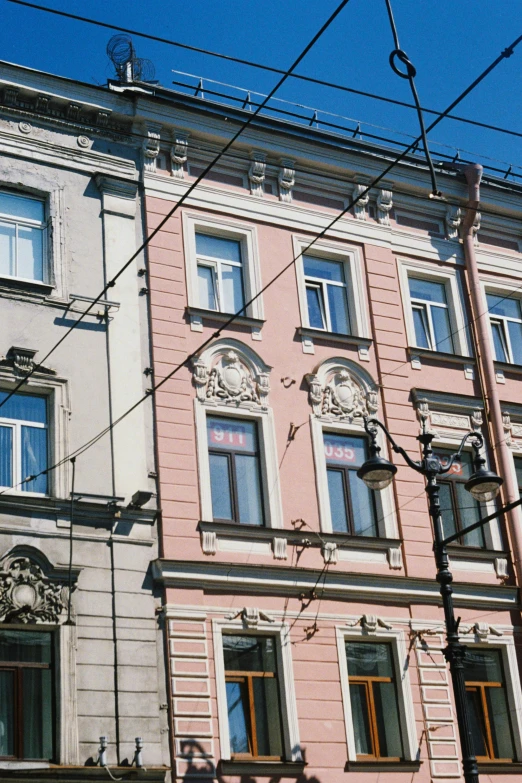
(400, 54)
(264, 67)
(506, 53)
(69, 599)
(185, 195)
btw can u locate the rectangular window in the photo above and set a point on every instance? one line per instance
(326, 295)
(220, 273)
(506, 327)
(374, 701)
(430, 314)
(235, 476)
(253, 702)
(457, 506)
(518, 468)
(22, 237)
(23, 442)
(352, 504)
(26, 695)
(488, 706)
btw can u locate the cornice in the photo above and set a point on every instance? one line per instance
(84, 511)
(282, 580)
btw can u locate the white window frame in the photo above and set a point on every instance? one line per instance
(492, 533)
(396, 639)
(15, 425)
(281, 633)
(247, 238)
(450, 280)
(27, 223)
(350, 257)
(506, 645)
(386, 516)
(510, 292)
(268, 464)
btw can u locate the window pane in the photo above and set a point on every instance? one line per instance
(369, 659)
(249, 490)
(499, 305)
(34, 458)
(6, 457)
(363, 509)
(361, 721)
(421, 327)
(218, 247)
(268, 717)
(21, 207)
(337, 499)
(428, 290)
(469, 513)
(24, 407)
(249, 653)
(338, 309)
(220, 486)
(30, 253)
(25, 646)
(483, 666)
(37, 713)
(6, 713)
(442, 329)
(477, 722)
(515, 337)
(459, 470)
(518, 468)
(7, 249)
(326, 270)
(232, 298)
(345, 450)
(387, 717)
(238, 709)
(449, 519)
(207, 293)
(314, 298)
(231, 434)
(500, 724)
(498, 342)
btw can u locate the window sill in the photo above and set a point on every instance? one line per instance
(9, 284)
(499, 768)
(438, 356)
(68, 774)
(216, 316)
(515, 369)
(333, 337)
(382, 766)
(460, 551)
(284, 769)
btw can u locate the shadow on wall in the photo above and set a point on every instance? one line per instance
(199, 764)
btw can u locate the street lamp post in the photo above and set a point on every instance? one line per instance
(377, 473)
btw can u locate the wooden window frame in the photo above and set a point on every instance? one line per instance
(230, 454)
(17, 667)
(452, 482)
(367, 682)
(478, 686)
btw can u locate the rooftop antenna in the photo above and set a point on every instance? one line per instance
(129, 68)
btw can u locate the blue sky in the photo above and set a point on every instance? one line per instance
(449, 42)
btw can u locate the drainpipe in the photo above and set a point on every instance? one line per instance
(501, 453)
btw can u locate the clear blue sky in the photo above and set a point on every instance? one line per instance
(449, 41)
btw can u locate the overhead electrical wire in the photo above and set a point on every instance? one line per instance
(263, 67)
(80, 450)
(183, 198)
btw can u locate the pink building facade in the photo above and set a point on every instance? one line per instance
(303, 620)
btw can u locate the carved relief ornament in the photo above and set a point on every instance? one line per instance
(151, 145)
(359, 208)
(256, 173)
(340, 395)
(27, 595)
(179, 153)
(228, 378)
(286, 179)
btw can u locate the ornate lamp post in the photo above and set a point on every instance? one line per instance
(377, 473)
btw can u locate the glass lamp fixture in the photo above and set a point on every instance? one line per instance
(484, 484)
(377, 472)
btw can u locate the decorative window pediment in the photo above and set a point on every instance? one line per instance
(340, 392)
(31, 591)
(232, 374)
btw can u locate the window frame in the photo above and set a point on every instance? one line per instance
(396, 640)
(321, 285)
(43, 226)
(444, 479)
(268, 463)
(453, 287)
(251, 271)
(510, 292)
(356, 299)
(280, 632)
(386, 517)
(16, 426)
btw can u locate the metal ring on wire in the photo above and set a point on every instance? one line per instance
(411, 71)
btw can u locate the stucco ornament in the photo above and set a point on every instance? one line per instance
(370, 623)
(250, 616)
(229, 379)
(341, 395)
(26, 595)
